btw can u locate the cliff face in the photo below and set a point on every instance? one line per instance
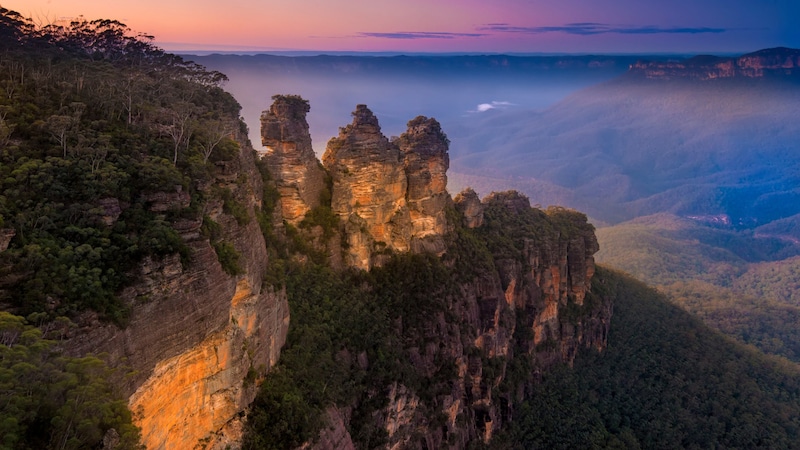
(290, 157)
(776, 62)
(198, 338)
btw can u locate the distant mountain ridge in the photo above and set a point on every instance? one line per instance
(772, 62)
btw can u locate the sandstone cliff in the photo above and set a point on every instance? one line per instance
(775, 62)
(198, 338)
(534, 310)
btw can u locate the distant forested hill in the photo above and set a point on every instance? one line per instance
(740, 282)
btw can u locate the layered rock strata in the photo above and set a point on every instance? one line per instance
(290, 156)
(369, 189)
(198, 338)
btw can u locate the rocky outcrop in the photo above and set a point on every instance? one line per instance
(198, 339)
(335, 436)
(534, 310)
(290, 157)
(775, 62)
(389, 195)
(369, 189)
(6, 234)
(425, 159)
(469, 205)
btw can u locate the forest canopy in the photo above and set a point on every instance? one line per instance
(95, 121)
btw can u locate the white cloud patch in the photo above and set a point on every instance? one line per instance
(483, 107)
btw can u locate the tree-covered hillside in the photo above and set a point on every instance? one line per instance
(738, 282)
(94, 122)
(665, 381)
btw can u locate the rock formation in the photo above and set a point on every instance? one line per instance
(389, 195)
(542, 294)
(369, 189)
(425, 160)
(775, 62)
(290, 157)
(6, 234)
(469, 204)
(529, 304)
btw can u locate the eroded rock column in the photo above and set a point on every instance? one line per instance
(290, 157)
(426, 161)
(369, 189)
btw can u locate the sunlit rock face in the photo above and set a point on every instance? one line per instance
(198, 339)
(290, 157)
(191, 397)
(389, 195)
(369, 189)
(426, 161)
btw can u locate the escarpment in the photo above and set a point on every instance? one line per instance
(509, 294)
(774, 62)
(200, 334)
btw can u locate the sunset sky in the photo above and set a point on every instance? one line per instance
(623, 26)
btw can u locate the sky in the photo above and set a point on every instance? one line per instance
(501, 26)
